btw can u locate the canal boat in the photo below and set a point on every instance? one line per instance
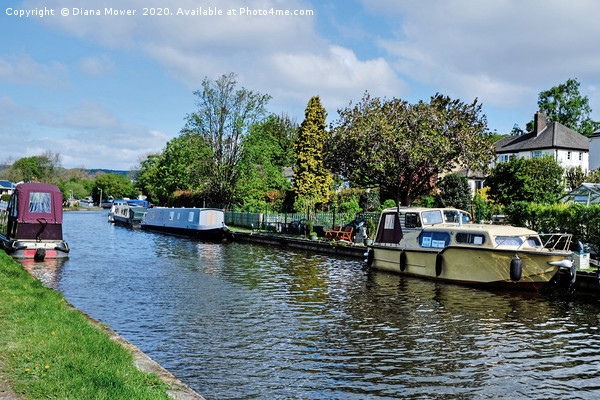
(200, 223)
(34, 223)
(128, 212)
(442, 244)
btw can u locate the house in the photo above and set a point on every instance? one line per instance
(567, 147)
(6, 187)
(594, 142)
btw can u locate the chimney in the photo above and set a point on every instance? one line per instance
(539, 122)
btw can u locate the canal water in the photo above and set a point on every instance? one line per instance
(239, 321)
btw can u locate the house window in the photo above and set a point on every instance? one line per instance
(580, 156)
(568, 155)
(536, 154)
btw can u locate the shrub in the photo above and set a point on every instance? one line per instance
(389, 203)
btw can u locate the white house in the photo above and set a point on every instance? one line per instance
(566, 146)
(594, 141)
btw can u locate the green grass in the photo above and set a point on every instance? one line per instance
(48, 350)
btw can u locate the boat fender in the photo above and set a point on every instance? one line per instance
(439, 262)
(40, 254)
(573, 273)
(403, 260)
(516, 268)
(370, 257)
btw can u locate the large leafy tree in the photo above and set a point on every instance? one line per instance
(42, 168)
(565, 104)
(223, 118)
(403, 147)
(114, 185)
(538, 180)
(266, 150)
(311, 178)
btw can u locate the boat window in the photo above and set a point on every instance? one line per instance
(191, 216)
(40, 203)
(437, 240)
(432, 217)
(509, 241)
(178, 216)
(152, 215)
(389, 221)
(470, 238)
(534, 241)
(411, 220)
(450, 216)
(171, 215)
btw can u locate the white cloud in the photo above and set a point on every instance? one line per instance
(89, 135)
(23, 70)
(502, 51)
(97, 65)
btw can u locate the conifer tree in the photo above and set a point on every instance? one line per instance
(311, 179)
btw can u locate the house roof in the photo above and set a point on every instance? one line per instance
(553, 136)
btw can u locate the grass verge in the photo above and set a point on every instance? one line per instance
(48, 350)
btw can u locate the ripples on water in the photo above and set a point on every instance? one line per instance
(241, 321)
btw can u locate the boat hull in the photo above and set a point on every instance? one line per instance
(469, 266)
(37, 250)
(201, 223)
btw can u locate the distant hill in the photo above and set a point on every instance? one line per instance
(106, 171)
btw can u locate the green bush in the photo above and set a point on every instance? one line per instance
(581, 221)
(389, 203)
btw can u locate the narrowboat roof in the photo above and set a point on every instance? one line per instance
(37, 200)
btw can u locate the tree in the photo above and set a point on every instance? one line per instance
(223, 117)
(574, 177)
(37, 168)
(538, 180)
(114, 185)
(564, 104)
(402, 147)
(266, 150)
(455, 192)
(311, 178)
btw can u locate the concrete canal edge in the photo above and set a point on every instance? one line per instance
(177, 389)
(337, 248)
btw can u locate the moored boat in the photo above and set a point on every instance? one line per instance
(441, 244)
(201, 223)
(34, 223)
(128, 212)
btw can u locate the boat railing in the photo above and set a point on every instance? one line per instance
(556, 241)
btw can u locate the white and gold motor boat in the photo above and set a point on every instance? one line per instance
(441, 243)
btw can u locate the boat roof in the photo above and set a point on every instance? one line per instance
(496, 230)
(37, 200)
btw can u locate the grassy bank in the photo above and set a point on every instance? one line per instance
(50, 350)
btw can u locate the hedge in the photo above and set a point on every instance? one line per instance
(580, 220)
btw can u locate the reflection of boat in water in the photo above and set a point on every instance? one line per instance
(34, 225)
(441, 244)
(128, 212)
(200, 223)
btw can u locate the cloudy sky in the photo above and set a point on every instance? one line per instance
(104, 90)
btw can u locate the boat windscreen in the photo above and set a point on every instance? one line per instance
(40, 203)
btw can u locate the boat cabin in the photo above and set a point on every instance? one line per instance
(35, 212)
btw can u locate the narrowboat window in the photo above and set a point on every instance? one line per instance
(411, 220)
(178, 216)
(152, 215)
(436, 240)
(190, 216)
(171, 215)
(432, 217)
(534, 241)
(389, 221)
(470, 238)
(40, 203)
(509, 241)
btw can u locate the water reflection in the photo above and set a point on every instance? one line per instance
(240, 321)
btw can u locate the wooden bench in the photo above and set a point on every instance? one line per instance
(346, 234)
(340, 233)
(333, 234)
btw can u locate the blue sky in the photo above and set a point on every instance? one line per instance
(104, 91)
